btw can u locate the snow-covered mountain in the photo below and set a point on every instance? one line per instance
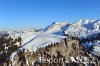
(79, 28)
(32, 39)
(83, 27)
(57, 28)
(87, 31)
(3, 33)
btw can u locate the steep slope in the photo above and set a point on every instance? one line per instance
(83, 27)
(91, 43)
(41, 40)
(57, 28)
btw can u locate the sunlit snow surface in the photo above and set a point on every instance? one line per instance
(40, 40)
(83, 27)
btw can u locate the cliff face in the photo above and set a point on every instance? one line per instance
(64, 49)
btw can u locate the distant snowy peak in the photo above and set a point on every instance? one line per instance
(78, 28)
(30, 30)
(3, 33)
(21, 32)
(83, 27)
(57, 27)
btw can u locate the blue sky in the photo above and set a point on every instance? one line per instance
(41, 13)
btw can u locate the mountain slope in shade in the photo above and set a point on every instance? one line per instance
(91, 43)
